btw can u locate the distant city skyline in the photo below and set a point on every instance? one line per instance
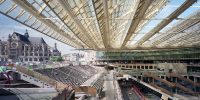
(8, 26)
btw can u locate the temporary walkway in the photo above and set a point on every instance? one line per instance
(183, 78)
(33, 93)
(172, 84)
(109, 89)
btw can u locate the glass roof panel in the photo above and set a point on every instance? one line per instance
(160, 16)
(170, 25)
(191, 10)
(138, 37)
(6, 5)
(150, 26)
(179, 37)
(169, 8)
(92, 22)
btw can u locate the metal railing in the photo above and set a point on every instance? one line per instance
(57, 85)
(19, 94)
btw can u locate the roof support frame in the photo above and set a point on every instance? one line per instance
(25, 5)
(183, 38)
(179, 28)
(11, 9)
(108, 24)
(1, 1)
(67, 8)
(140, 12)
(107, 29)
(164, 23)
(100, 19)
(47, 3)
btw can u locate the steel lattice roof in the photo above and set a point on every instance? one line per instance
(111, 24)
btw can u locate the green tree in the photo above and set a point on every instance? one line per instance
(56, 58)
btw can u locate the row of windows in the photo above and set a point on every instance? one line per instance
(3, 59)
(24, 54)
(139, 67)
(32, 48)
(35, 59)
(27, 48)
(3, 53)
(35, 50)
(35, 54)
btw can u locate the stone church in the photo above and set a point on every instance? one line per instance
(22, 48)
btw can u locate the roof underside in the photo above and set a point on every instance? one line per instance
(111, 24)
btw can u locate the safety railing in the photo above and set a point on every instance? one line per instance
(162, 89)
(19, 93)
(184, 79)
(170, 83)
(185, 89)
(160, 79)
(57, 85)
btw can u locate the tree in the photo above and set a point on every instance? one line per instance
(56, 58)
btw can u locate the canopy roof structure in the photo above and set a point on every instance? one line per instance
(111, 24)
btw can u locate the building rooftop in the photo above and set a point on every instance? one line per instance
(36, 40)
(32, 40)
(22, 37)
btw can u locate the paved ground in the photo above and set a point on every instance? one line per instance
(108, 87)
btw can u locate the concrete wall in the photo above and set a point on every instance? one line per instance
(180, 68)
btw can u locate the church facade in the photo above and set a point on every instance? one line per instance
(22, 48)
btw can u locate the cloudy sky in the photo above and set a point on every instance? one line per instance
(8, 26)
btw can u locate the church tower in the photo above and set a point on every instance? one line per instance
(26, 34)
(55, 46)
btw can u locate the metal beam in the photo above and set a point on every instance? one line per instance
(99, 11)
(47, 3)
(1, 1)
(184, 38)
(62, 20)
(107, 29)
(191, 40)
(139, 15)
(29, 8)
(164, 23)
(11, 9)
(67, 8)
(177, 29)
(96, 18)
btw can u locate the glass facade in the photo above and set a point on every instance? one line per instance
(187, 53)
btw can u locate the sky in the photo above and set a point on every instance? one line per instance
(8, 26)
